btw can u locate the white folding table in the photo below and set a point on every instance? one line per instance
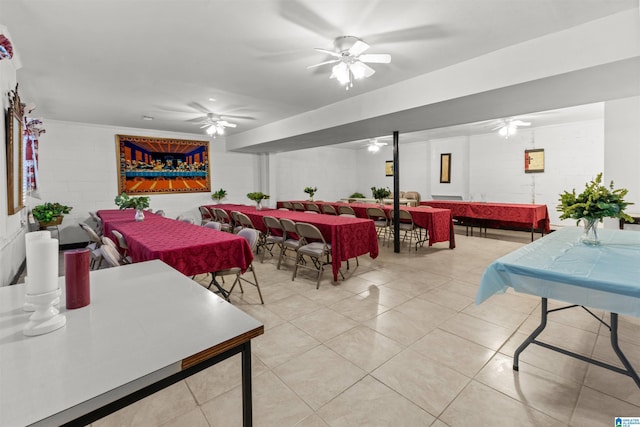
(147, 327)
(559, 266)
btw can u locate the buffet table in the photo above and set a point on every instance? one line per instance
(561, 267)
(349, 237)
(497, 215)
(147, 327)
(438, 222)
(189, 248)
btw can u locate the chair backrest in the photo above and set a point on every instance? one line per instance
(120, 238)
(289, 228)
(376, 213)
(93, 236)
(110, 253)
(160, 212)
(213, 224)
(346, 210)
(286, 205)
(309, 233)
(204, 212)
(244, 220)
(272, 224)
(404, 216)
(107, 241)
(251, 235)
(329, 210)
(311, 212)
(222, 216)
(412, 195)
(312, 207)
(283, 209)
(186, 219)
(98, 221)
(297, 206)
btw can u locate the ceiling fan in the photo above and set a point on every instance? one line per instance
(215, 124)
(350, 60)
(509, 127)
(373, 146)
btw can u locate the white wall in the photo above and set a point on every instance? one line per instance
(78, 168)
(459, 186)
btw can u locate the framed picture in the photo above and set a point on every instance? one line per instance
(445, 168)
(534, 160)
(149, 165)
(13, 121)
(388, 168)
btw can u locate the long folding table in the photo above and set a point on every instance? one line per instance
(559, 266)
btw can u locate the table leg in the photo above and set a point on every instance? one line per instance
(247, 410)
(614, 343)
(220, 290)
(531, 338)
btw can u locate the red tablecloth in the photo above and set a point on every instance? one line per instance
(190, 249)
(498, 214)
(349, 237)
(439, 222)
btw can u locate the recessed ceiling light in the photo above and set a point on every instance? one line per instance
(212, 99)
(147, 118)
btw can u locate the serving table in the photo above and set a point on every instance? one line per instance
(349, 237)
(561, 267)
(190, 249)
(497, 215)
(147, 327)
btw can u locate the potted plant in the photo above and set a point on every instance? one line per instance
(310, 191)
(380, 193)
(357, 195)
(123, 201)
(258, 197)
(50, 214)
(592, 205)
(219, 195)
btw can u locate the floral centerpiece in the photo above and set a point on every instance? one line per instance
(380, 193)
(258, 197)
(592, 205)
(50, 214)
(310, 191)
(123, 201)
(219, 195)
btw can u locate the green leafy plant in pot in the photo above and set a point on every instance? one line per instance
(50, 214)
(258, 197)
(219, 195)
(592, 205)
(123, 201)
(310, 191)
(380, 193)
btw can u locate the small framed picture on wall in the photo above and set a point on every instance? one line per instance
(388, 168)
(445, 168)
(534, 160)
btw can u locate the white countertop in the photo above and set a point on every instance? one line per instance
(143, 320)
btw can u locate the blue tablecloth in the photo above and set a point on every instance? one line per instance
(559, 266)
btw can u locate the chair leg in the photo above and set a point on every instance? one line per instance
(255, 278)
(295, 270)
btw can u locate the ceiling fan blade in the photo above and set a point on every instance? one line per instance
(520, 123)
(227, 124)
(232, 116)
(328, 52)
(205, 125)
(360, 70)
(199, 107)
(425, 32)
(323, 63)
(295, 11)
(379, 58)
(358, 48)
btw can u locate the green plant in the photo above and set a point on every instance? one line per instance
(380, 193)
(219, 195)
(595, 202)
(49, 211)
(310, 190)
(257, 196)
(123, 201)
(357, 195)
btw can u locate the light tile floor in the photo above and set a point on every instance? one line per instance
(401, 343)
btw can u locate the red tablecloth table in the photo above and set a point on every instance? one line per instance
(437, 221)
(189, 248)
(349, 237)
(498, 215)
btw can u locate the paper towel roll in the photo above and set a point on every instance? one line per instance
(43, 273)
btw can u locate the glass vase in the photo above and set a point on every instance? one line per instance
(259, 205)
(590, 233)
(139, 215)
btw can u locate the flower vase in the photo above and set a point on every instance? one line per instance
(590, 234)
(259, 205)
(139, 215)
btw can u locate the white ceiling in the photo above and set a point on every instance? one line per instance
(114, 61)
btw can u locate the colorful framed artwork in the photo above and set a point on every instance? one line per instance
(13, 149)
(388, 168)
(534, 160)
(148, 165)
(445, 168)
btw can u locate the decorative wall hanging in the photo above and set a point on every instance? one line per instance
(534, 160)
(445, 168)
(388, 168)
(6, 50)
(149, 165)
(13, 150)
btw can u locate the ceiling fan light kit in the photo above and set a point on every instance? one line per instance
(510, 127)
(350, 63)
